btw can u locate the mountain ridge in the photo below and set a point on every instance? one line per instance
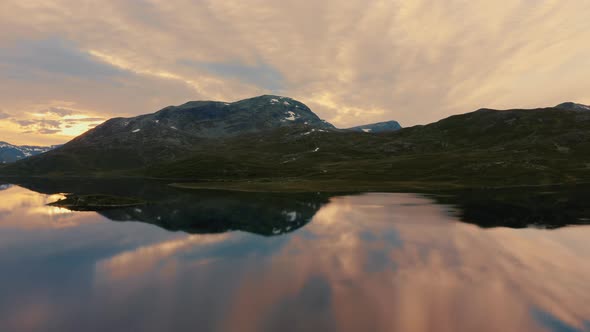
(481, 148)
(378, 127)
(10, 153)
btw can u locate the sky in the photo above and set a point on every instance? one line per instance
(68, 65)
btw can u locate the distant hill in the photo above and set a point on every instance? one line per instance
(278, 140)
(10, 153)
(380, 127)
(573, 107)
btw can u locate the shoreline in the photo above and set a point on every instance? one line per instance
(349, 186)
(294, 185)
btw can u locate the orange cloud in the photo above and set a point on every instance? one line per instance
(354, 63)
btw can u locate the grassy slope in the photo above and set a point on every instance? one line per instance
(480, 149)
(484, 148)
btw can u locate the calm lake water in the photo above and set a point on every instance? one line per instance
(219, 261)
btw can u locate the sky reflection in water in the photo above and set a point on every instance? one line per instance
(372, 262)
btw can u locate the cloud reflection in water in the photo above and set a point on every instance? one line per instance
(380, 262)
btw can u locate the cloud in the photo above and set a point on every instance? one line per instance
(42, 126)
(47, 131)
(4, 115)
(60, 111)
(27, 59)
(77, 120)
(353, 63)
(58, 123)
(259, 74)
(25, 123)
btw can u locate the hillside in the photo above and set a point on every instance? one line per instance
(481, 148)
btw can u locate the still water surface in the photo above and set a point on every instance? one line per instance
(363, 262)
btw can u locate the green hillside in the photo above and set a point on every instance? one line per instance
(485, 148)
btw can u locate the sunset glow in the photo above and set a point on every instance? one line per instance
(352, 63)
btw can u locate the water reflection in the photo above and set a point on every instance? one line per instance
(218, 212)
(198, 212)
(541, 207)
(371, 262)
(275, 213)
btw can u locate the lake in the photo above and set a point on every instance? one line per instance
(513, 260)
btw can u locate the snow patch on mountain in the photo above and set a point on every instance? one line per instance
(292, 116)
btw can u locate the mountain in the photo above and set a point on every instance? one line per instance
(10, 153)
(573, 107)
(206, 119)
(275, 143)
(171, 134)
(379, 127)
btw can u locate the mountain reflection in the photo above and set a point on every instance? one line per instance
(210, 211)
(218, 212)
(541, 207)
(197, 211)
